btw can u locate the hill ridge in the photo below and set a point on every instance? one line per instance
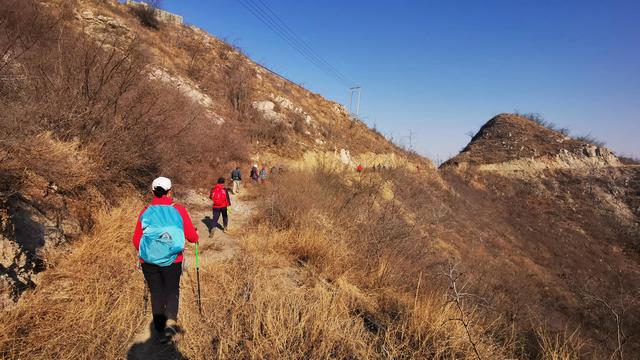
(514, 142)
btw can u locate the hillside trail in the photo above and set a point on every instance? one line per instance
(216, 248)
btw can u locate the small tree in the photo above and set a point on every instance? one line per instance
(238, 81)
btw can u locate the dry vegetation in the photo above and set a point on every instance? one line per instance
(83, 123)
(95, 100)
(306, 284)
(87, 306)
(333, 265)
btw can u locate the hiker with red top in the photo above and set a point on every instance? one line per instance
(159, 237)
(221, 201)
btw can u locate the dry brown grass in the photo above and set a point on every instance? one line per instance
(337, 234)
(89, 306)
(311, 288)
(566, 346)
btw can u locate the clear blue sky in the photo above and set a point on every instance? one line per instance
(443, 68)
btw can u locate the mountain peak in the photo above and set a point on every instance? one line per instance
(509, 137)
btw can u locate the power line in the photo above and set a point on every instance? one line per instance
(278, 30)
(304, 44)
(292, 39)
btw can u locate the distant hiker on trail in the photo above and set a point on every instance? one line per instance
(263, 175)
(236, 177)
(159, 237)
(360, 168)
(254, 174)
(221, 201)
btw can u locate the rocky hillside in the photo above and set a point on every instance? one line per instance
(513, 142)
(284, 120)
(124, 101)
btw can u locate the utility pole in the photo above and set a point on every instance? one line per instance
(355, 89)
(410, 140)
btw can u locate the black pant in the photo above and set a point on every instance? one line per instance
(164, 285)
(216, 216)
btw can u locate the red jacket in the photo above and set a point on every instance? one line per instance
(227, 202)
(190, 233)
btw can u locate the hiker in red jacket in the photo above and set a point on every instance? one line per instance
(159, 238)
(221, 200)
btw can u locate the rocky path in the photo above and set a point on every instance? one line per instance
(215, 248)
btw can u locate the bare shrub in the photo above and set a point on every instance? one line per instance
(458, 297)
(299, 124)
(196, 51)
(268, 132)
(629, 160)
(589, 139)
(146, 12)
(615, 307)
(539, 119)
(239, 82)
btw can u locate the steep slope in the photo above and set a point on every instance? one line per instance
(283, 120)
(553, 223)
(95, 104)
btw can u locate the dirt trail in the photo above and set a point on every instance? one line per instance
(216, 248)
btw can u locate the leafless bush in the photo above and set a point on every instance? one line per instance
(196, 51)
(146, 12)
(238, 82)
(268, 132)
(589, 139)
(617, 306)
(458, 296)
(24, 26)
(539, 119)
(299, 124)
(629, 159)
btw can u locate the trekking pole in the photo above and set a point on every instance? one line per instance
(146, 298)
(198, 279)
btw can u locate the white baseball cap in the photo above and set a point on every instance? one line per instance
(161, 182)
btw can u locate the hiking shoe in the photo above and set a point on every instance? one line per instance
(169, 333)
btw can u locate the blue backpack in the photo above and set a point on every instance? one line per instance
(162, 235)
